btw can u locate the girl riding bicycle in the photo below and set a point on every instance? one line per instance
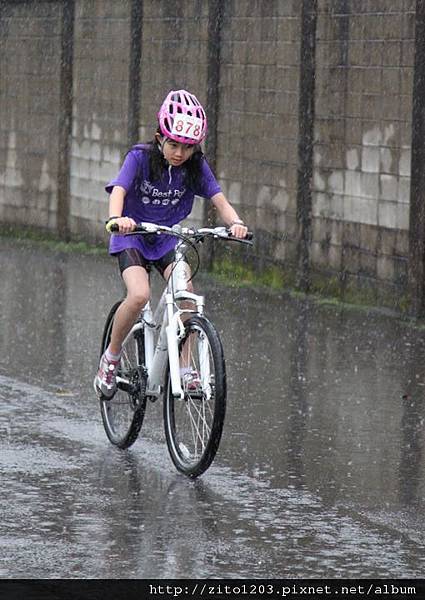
(157, 183)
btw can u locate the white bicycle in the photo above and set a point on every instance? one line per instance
(176, 334)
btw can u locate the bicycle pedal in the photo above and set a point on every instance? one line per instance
(102, 398)
(98, 392)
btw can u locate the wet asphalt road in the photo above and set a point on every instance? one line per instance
(320, 472)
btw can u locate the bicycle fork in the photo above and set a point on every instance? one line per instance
(175, 332)
(171, 332)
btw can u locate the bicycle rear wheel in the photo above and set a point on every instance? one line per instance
(193, 425)
(122, 415)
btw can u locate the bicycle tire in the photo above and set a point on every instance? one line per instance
(123, 414)
(193, 426)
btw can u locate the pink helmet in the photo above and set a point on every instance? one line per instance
(182, 118)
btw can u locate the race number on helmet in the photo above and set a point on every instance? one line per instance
(182, 118)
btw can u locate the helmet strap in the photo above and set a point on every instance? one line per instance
(161, 148)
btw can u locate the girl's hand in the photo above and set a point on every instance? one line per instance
(125, 224)
(238, 230)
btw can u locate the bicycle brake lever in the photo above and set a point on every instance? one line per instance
(177, 228)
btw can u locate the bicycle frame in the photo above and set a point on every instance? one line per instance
(167, 319)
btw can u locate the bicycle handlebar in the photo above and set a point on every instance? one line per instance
(182, 232)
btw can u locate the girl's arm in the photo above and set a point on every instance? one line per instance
(116, 201)
(229, 216)
(116, 205)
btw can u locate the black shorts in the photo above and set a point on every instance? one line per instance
(131, 257)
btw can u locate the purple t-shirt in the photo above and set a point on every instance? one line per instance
(165, 202)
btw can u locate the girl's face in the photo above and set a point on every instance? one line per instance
(175, 153)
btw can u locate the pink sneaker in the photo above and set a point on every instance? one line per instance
(104, 382)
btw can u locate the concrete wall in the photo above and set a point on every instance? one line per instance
(258, 119)
(30, 53)
(99, 109)
(357, 212)
(364, 82)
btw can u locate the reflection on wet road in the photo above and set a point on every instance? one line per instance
(321, 468)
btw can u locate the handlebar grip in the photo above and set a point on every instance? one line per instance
(249, 236)
(112, 226)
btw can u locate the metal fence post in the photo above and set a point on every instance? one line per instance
(416, 268)
(65, 116)
(215, 19)
(134, 80)
(305, 139)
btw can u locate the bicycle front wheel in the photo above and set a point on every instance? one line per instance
(194, 424)
(123, 414)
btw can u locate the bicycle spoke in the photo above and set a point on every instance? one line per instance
(194, 422)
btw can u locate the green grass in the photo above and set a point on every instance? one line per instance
(237, 274)
(324, 291)
(52, 242)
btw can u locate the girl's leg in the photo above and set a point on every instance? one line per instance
(136, 280)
